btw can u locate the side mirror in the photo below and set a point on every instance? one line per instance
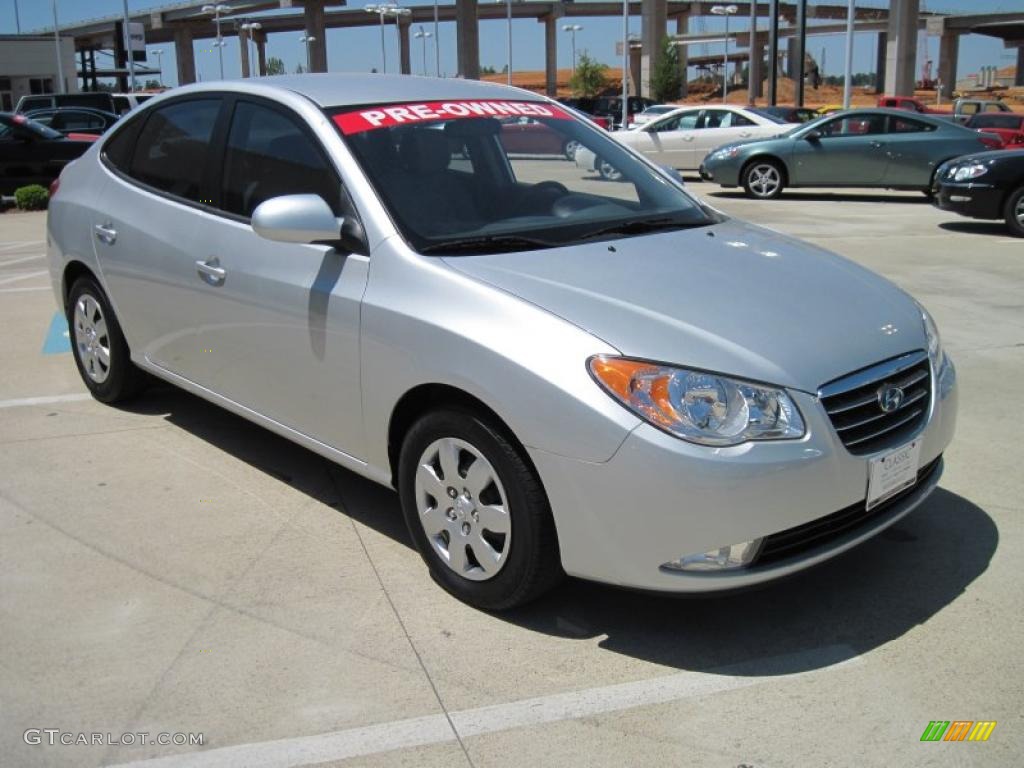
(306, 219)
(812, 136)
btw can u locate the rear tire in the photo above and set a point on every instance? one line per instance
(569, 149)
(763, 179)
(607, 170)
(476, 511)
(98, 345)
(1013, 211)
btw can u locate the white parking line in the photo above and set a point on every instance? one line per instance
(27, 401)
(26, 290)
(434, 729)
(26, 276)
(23, 259)
(10, 246)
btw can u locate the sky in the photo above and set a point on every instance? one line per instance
(359, 50)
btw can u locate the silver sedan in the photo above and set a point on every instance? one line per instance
(557, 374)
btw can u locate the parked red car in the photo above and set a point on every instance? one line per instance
(1008, 126)
(526, 136)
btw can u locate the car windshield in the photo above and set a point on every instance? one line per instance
(480, 176)
(11, 125)
(775, 117)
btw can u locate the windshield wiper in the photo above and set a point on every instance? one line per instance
(488, 244)
(642, 226)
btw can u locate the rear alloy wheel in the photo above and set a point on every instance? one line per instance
(569, 149)
(1014, 212)
(476, 511)
(99, 348)
(762, 179)
(608, 171)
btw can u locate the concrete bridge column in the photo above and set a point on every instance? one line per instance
(243, 49)
(653, 31)
(635, 68)
(467, 34)
(949, 52)
(550, 54)
(405, 65)
(185, 55)
(314, 16)
(260, 38)
(901, 50)
(883, 43)
(1019, 80)
(682, 28)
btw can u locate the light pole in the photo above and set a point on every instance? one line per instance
(508, 44)
(159, 52)
(217, 10)
(382, 10)
(848, 64)
(56, 45)
(437, 44)
(727, 11)
(572, 29)
(625, 63)
(422, 35)
(17, 17)
(308, 40)
(250, 28)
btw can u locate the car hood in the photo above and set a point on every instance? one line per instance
(732, 298)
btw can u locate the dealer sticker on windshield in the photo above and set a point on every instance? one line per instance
(894, 472)
(388, 115)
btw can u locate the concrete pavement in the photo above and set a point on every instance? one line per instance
(168, 567)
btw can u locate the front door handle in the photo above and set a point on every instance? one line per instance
(744, 134)
(877, 144)
(105, 233)
(211, 271)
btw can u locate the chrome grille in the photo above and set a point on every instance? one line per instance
(854, 403)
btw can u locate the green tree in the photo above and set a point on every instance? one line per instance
(590, 78)
(666, 80)
(275, 66)
(488, 71)
(152, 85)
(299, 69)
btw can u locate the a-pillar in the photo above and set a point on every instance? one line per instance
(653, 30)
(883, 39)
(901, 50)
(184, 55)
(949, 51)
(682, 28)
(404, 62)
(550, 54)
(260, 38)
(243, 48)
(467, 36)
(314, 17)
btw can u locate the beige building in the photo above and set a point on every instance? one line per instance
(28, 65)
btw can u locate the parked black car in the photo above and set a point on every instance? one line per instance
(74, 119)
(31, 153)
(987, 185)
(93, 100)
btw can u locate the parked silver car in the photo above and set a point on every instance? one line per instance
(557, 374)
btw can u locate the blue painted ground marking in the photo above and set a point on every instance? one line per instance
(58, 340)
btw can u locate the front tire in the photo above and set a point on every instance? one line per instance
(1013, 211)
(763, 179)
(98, 345)
(476, 511)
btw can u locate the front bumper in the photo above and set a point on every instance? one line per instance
(660, 498)
(723, 172)
(978, 201)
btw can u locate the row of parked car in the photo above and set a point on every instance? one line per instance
(963, 167)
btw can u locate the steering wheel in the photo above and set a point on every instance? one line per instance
(540, 197)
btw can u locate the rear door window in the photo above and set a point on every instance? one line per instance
(174, 147)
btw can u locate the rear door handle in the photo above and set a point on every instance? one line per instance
(877, 144)
(744, 134)
(105, 233)
(211, 271)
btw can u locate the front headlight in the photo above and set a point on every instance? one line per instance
(725, 154)
(931, 331)
(696, 406)
(969, 171)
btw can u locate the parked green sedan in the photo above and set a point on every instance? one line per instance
(856, 148)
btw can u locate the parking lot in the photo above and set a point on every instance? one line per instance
(169, 568)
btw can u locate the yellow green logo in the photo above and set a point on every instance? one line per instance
(958, 730)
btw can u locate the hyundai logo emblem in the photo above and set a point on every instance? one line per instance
(890, 398)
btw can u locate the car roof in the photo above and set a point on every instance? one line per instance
(340, 89)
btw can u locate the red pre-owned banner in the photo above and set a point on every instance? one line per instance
(388, 115)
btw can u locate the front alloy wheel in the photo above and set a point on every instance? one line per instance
(608, 171)
(763, 180)
(1014, 212)
(476, 510)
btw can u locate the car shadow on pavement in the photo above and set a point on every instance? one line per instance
(845, 607)
(993, 228)
(802, 196)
